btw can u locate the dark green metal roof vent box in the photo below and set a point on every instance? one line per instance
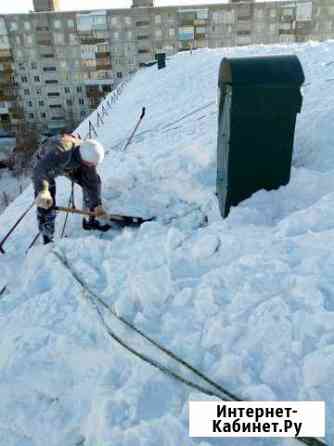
(258, 99)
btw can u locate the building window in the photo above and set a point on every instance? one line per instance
(26, 92)
(129, 34)
(51, 81)
(43, 115)
(33, 65)
(158, 33)
(32, 54)
(114, 21)
(13, 26)
(260, 27)
(3, 39)
(57, 24)
(67, 90)
(18, 40)
(147, 37)
(24, 79)
(49, 69)
(27, 26)
(79, 89)
(70, 23)
(31, 115)
(69, 102)
(81, 102)
(202, 14)
(287, 12)
(30, 103)
(59, 38)
(272, 28)
(119, 75)
(259, 14)
(116, 36)
(41, 103)
(128, 20)
(42, 28)
(157, 19)
(55, 106)
(52, 95)
(28, 40)
(143, 51)
(171, 32)
(73, 39)
(38, 91)
(37, 79)
(83, 113)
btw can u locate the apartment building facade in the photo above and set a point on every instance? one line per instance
(56, 66)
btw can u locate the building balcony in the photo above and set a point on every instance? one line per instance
(57, 124)
(200, 36)
(6, 77)
(102, 61)
(286, 32)
(244, 18)
(42, 29)
(54, 100)
(187, 22)
(102, 54)
(91, 39)
(4, 59)
(7, 97)
(103, 67)
(287, 18)
(93, 91)
(44, 42)
(93, 82)
(6, 67)
(244, 32)
(200, 22)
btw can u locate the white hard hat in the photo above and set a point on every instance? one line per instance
(92, 151)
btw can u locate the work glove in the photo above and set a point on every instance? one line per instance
(44, 199)
(101, 213)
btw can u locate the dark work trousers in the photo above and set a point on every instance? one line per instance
(47, 217)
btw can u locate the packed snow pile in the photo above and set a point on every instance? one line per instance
(248, 300)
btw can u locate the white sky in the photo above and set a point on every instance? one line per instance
(16, 6)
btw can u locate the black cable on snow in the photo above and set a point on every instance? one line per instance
(223, 391)
(166, 126)
(34, 240)
(203, 107)
(95, 299)
(3, 290)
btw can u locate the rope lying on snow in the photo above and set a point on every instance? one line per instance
(159, 128)
(3, 290)
(156, 364)
(95, 300)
